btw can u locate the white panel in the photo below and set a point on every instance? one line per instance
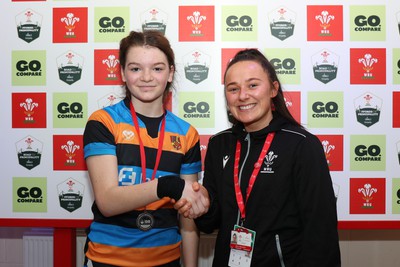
(38, 251)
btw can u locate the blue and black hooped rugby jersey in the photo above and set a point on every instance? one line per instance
(116, 240)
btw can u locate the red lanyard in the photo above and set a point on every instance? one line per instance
(142, 152)
(257, 166)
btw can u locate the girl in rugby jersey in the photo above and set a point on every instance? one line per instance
(141, 158)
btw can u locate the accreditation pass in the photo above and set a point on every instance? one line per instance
(242, 244)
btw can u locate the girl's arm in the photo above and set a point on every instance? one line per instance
(111, 198)
(190, 235)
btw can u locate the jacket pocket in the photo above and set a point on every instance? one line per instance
(279, 250)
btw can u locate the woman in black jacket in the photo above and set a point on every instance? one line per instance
(268, 178)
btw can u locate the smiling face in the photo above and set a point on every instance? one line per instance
(249, 93)
(146, 73)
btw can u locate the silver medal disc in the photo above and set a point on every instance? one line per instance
(145, 221)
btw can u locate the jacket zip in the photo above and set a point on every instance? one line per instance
(279, 249)
(277, 241)
(247, 138)
(245, 158)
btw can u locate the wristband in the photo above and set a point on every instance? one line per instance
(170, 186)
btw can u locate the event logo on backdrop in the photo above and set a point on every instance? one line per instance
(239, 23)
(29, 110)
(368, 109)
(197, 108)
(367, 66)
(68, 153)
(29, 194)
(70, 194)
(367, 152)
(367, 23)
(197, 65)
(396, 109)
(396, 195)
(29, 150)
(70, 25)
(325, 65)
(154, 19)
(29, 24)
(70, 110)
(281, 22)
(324, 23)
(333, 149)
(325, 110)
(196, 23)
(69, 67)
(108, 100)
(107, 69)
(111, 24)
(396, 65)
(29, 67)
(286, 62)
(293, 103)
(367, 195)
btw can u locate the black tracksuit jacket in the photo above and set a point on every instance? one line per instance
(292, 206)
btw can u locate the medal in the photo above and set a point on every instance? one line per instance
(145, 221)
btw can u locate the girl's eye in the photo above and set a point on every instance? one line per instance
(158, 69)
(135, 69)
(253, 85)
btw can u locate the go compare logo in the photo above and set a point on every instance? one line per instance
(286, 62)
(239, 23)
(325, 109)
(197, 108)
(367, 23)
(70, 110)
(367, 152)
(29, 194)
(29, 67)
(111, 23)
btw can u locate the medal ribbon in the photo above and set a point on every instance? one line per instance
(142, 152)
(256, 170)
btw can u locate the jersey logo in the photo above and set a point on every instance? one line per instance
(268, 162)
(128, 135)
(176, 142)
(225, 160)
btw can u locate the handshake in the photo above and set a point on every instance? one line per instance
(190, 199)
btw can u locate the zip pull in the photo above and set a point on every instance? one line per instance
(247, 138)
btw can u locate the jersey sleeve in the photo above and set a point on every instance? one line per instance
(192, 160)
(98, 138)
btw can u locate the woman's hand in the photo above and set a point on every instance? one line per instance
(194, 202)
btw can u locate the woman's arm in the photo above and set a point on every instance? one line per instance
(317, 205)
